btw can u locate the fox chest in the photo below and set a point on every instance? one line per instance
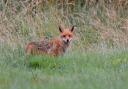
(58, 49)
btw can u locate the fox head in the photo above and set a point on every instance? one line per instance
(66, 35)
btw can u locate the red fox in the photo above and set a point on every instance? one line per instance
(54, 47)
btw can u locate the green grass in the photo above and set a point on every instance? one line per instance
(74, 70)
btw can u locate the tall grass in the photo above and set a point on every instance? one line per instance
(97, 22)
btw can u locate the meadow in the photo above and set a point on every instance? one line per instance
(90, 70)
(97, 58)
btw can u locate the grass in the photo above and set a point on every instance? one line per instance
(86, 70)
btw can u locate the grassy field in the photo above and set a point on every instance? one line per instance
(97, 59)
(75, 70)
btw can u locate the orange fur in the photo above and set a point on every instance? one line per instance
(54, 47)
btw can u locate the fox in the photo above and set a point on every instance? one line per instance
(54, 47)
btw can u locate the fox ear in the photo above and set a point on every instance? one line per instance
(60, 28)
(72, 28)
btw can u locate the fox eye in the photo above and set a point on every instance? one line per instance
(69, 35)
(64, 36)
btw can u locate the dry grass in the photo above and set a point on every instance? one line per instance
(21, 21)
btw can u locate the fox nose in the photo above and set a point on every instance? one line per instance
(67, 40)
